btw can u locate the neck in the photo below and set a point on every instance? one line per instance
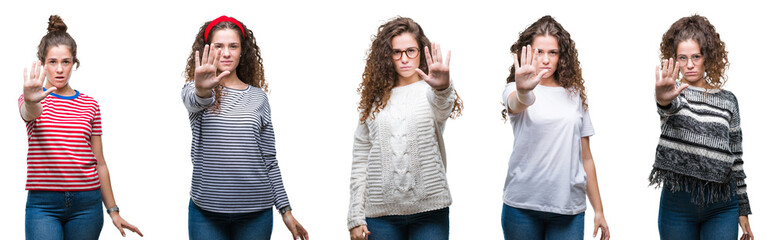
(549, 82)
(403, 81)
(233, 81)
(64, 91)
(702, 83)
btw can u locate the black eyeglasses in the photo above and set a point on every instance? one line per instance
(411, 52)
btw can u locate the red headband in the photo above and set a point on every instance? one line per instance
(220, 19)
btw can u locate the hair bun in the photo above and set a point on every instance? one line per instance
(55, 23)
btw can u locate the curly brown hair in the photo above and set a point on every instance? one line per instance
(699, 29)
(569, 73)
(57, 35)
(250, 68)
(380, 77)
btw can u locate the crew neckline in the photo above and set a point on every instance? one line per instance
(64, 97)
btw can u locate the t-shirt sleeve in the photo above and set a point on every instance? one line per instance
(508, 89)
(96, 125)
(587, 128)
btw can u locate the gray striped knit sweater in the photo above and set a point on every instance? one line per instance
(234, 158)
(700, 148)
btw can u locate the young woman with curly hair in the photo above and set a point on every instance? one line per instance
(67, 176)
(551, 168)
(699, 156)
(236, 178)
(398, 185)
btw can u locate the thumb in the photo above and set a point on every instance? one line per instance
(49, 91)
(222, 75)
(595, 233)
(421, 73)
(541, 74)
(682, 87)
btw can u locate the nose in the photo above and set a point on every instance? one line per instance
(403, 57)
(544, 59)
(59, 68)
(689, 63)
(226, 53)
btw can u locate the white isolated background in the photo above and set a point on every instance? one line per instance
(133, 54)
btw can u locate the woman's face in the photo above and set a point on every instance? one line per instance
(691, 63)
(406, 55)
(548, 53)
(229, 43)
(58, 64)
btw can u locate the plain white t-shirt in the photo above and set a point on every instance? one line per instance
(545, 169)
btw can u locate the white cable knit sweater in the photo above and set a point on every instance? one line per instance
(399, 157)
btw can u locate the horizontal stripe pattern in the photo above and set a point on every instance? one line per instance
(59, 155)
(235, 169)
(701, 143)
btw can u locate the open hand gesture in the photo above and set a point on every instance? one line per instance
(206, 76)
(665, 86)
(33, 84)
(526, 76)
(439, 72)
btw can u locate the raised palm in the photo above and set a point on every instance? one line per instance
(206, 69)
(439, 71)
(527, 75)
(665, 89)
(33, 84)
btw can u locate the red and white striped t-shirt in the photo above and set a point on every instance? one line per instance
(59, 157)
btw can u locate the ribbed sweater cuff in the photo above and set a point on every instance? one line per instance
(352, 223)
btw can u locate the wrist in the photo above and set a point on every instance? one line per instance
(525, 97)
(204, 93)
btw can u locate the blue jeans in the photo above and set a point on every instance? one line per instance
(63, 215)
(679, 218)
(529, 225)
(206, 225)
(429, 225)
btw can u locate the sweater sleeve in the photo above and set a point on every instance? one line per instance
(362, 145)
(267, 145)
(676, 105)
(193, 102)
(441, 102)
(735, 146)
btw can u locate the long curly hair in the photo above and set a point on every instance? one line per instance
(568, 73)
(57, 35)
(699, 29)
(380, 77)
(250, 68)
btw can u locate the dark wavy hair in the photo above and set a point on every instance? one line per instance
(380, 77)
(699, 29)
(568, 73)
(250, 68)
(57, 35)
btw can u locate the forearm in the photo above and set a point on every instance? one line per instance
(442, 101)
(519, 100)
(195, 101)
(593, 192)
(31, 111)
(107, 190)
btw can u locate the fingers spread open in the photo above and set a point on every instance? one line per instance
(205, 56)
(447, 62)
(427, 55)
(198, 62)
(421, 74)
